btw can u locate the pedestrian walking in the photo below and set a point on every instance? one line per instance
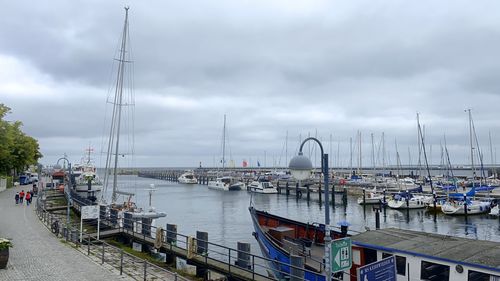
(21, 196)
(17, 198)
(28, 198)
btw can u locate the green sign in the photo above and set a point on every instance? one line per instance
(341, 254)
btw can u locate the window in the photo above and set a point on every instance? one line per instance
(480, 276)
(434, 271)
(400, 263)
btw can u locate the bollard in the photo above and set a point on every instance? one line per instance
(202, 249)
(171, 240)
(243, 255)
(297, 271)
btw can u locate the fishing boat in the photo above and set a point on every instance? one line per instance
(87, 180)
(371, 198)
(122, 103)
(262, 185)
(474, 207)
(188, 178)
(225, 183)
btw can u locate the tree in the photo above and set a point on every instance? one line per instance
(17, 150)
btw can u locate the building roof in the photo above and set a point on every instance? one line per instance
(478, 253)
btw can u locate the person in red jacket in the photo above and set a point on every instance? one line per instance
(21, 196)
(28, 198)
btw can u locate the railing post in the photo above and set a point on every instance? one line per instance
(229, 260)
(88, 245)
(121, 261)
(145, 269)
(175, 276)
(102, 257)
(253, 267)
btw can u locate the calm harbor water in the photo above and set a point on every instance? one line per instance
(225, 215)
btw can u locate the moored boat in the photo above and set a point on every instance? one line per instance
(474, 207)
(225, 184)
(188, 178)
(262, 186)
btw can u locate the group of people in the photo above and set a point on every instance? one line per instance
(20, 197)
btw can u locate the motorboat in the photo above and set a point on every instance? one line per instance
(371, 198)
(188, 178)
(474, 207)
(262, 186)
(225, 184)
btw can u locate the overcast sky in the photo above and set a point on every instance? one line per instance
(316, 68)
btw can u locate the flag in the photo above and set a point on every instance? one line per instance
(245, 163)
(258, 164)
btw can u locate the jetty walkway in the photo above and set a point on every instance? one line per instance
(37, 254)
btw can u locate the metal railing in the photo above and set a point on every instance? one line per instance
(99, 250)
(218, 257)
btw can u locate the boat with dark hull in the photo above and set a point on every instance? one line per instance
(280, 237)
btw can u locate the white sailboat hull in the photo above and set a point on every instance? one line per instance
(414, 203)
(474, 208)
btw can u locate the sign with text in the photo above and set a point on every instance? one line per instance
(341, 254)
(377, 271)
(90, 212)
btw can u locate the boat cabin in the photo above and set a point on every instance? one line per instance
(426, 256)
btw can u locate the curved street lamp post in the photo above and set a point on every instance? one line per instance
(300, 166)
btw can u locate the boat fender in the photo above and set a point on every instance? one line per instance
(299, 194)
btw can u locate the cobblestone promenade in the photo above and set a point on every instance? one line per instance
(37, 254)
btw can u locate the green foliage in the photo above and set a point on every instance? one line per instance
(5, 243)
(17, 150)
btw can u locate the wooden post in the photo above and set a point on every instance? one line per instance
(243, 255)
(287, 189)
(202, 249)
(171, 240)
(308, 193)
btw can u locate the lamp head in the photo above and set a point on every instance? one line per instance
(300, 167)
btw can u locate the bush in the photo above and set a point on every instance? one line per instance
(5, 243)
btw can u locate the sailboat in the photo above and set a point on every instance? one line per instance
(225, 183)
(128, 208)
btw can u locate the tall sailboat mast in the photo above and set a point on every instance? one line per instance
(471, 146)
(224, 143)
(114, 138)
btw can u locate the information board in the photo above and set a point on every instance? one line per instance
(383, 270)
(90, 212)
(341, 254)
